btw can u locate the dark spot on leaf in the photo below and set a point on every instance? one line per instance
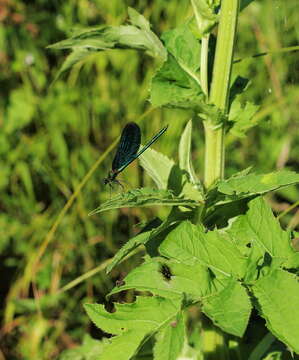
(119, 283)
(166, 272)
(248, 245)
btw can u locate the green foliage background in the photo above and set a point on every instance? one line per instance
(50, 136)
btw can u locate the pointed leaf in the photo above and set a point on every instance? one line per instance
(189, 244)
(277, 295)
(176, 84)
(74, 58)
(259, 232)
(185, 153)
(132, 322)
(157, 166)
(230, 308)
(169, 279)
(137, 36)
(144, 197)
(253, 184)
(142, 315)
(173, 87)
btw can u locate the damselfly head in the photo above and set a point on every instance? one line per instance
(110, 178)
(106, 181)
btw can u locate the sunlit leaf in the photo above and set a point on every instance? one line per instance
(169, 279)
(238, 187)
(132, 323)
(137, 36)
(277, 296)
(190, 244)
(157, 166)
(258, 232)
(144, 197)
(230, 308)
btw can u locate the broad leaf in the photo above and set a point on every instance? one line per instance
(151, 236)
(169, 279)
(132, 323)
(185, 48)
(190, 245)
(277, 296)
(230, 308)
(144, 197)
(257, 233)
(173, 87)
(242, 186)
(176, 84)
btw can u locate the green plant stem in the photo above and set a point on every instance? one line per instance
(204, 64)
(214, 154)
(214, 149)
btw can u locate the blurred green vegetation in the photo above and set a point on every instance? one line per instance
(50, 136)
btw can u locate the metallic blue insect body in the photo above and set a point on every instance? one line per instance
(127, 150)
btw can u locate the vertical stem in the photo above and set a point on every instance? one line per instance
(204, 64)
(214, 153)
(214, 149)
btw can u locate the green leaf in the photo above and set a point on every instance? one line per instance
(137, 36)
(132, 323)
(241, 118)
(91, 349)
(258, 232)
(77, 56)
(204, 11)
(138, 20)
(176, 84)
(185, 155)
(170, 340)
(238, 187)
(190, 245)
(169, 279)
(277, 296)
(230, 308)
(157, 166)
(144, 197)
(153, 229)
(185, 48)
(173, 87)
(152, 235)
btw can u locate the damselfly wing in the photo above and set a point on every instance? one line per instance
(127, 150)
